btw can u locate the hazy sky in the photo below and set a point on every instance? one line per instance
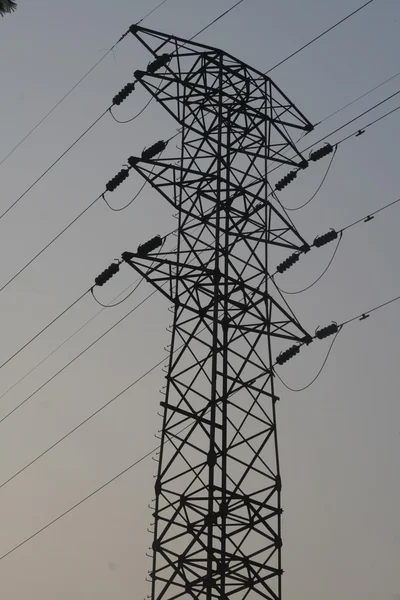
(339, 440)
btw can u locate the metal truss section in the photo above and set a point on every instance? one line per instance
(194, 80)
(218, 488)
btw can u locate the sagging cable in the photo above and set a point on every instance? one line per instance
(324, 271)
(302, 389)
(319, 187)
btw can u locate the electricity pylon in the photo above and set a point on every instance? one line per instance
(218, 489)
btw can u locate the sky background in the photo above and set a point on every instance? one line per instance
(339, 440)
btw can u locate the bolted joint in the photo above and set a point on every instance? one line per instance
(157, 486)
(211, 458)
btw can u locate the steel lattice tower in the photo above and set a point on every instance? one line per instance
(218, 488)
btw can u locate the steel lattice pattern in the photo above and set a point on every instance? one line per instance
(218, 507)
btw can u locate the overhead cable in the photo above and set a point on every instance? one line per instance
(376, 87)
(111, 186)
(62, 369)
(320, 277)
(358, 132)
(97, 120)
(365, 112)
(96, 491)
(130, 467)
(61, 314)
(318, 188)
(77, 84)
(216, 20)
(362, 316)
(65, 341)
(75, 358)
(371, 215)
(302, 389)
(365, 127)
(79, 503)
(318, 37)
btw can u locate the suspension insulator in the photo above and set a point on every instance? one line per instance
(321, 240)
(155, 149)
(107, 274)
(123, 94)
(158, 63)
(282, 183)
(147, 247)
(287, 354)
(117, 180)
(325, 332)
(321, 152)
(289, 262)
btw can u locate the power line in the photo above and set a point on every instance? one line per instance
(153, 10)
(50, 243)
(126, 470)
(217, 19)
(317, 38)
(82, 423)
(365, 112)
(357, 132)
(302, 389)
(76, 85)
(3, 214)
(108, 109)
(376, 87)
(318, 188)
(85, 349)
(66, 340)
(371, 215)
(366, 313)
(79, 503)
(23, 402)
(362, 130)
(61, 314)
(94, 202)
(320, 277)
(130, 467)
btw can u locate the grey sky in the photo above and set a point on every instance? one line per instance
(339, 441)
